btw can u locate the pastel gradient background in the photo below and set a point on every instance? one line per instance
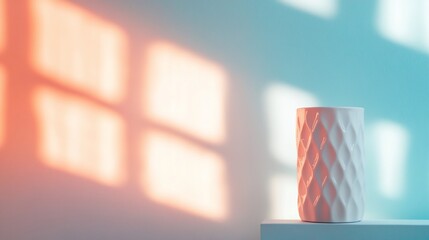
(176, 119)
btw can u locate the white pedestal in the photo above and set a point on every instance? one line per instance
(366, 229)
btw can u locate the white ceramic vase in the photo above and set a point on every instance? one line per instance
(330, 165)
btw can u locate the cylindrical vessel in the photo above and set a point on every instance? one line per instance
(330, 165)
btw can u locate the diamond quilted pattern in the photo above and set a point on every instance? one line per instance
(330, 144)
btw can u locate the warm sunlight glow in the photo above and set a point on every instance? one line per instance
(78, 49)
(185, 92)
(321, 8)
(2, 103)
(179, 174)
(281, 102)
(405, 22)
(283, 197)
(79, 137)
(391, 145)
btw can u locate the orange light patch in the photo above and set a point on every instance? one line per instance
(77, 49)
(181, 175)
(79, 137)
(185, 92)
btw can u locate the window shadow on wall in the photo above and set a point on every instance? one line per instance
(149, 120)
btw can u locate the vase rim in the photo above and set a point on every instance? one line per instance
(332, 108)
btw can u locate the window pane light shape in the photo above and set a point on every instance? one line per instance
(283, 197)
(79, 137)
(320, 8)
(391, 145)
(404, 22)
(281, 102)
(185, 92)
(78, 49)
(181, 175)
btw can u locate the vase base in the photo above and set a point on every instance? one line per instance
(312, 221)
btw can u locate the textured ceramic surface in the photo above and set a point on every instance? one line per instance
(330, 144)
